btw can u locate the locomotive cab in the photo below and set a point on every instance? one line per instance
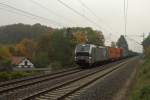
(83, 54)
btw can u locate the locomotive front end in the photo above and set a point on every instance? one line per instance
(83, 54)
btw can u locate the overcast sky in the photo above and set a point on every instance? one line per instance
(109, 16)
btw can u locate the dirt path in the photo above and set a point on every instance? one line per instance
(124, 93)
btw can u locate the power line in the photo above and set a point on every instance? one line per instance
(97, 17)
(80, 14)
(91, 11)
(11, 11)
(85, 6)
(47, 9)
(125, 16)
(133, 40)
(28, 13)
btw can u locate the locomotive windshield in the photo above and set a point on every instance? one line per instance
(83, 48)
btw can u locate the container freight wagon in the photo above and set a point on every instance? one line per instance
(114, 53)
(89, 54)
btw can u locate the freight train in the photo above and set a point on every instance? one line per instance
(89, 54)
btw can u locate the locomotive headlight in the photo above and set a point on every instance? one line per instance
(75, 58)
(90, 57)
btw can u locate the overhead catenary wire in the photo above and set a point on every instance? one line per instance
(33, 15)
(133, 40)
(78, 13)
(12, 11)
(92, 12)
(82, 15)
(109, 30)
(50, 11)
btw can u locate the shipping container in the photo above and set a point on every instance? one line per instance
(114, 53)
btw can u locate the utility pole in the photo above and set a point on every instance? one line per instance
(144, 36)
(110, 36)
(143, 40)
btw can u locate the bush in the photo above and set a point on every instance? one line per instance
(55, 65)
(145, 93)
(41, 60)
(13, 75)
(4, 76)
(141, 90)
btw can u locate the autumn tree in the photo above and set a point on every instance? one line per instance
(5, 59)
(4, 53)
(99, 38)
(94, 37)
(80, 37)
(27, 48)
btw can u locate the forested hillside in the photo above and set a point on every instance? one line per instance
(44, 46)
(16, 32)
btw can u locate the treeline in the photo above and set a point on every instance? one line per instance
(146, 46)
(141, 89)
(16, 32)
(53, 48)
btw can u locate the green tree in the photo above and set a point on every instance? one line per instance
(41, 59)
(146, 46)
(44, 44)
(122, 43)
(113, 44)
(63, 48)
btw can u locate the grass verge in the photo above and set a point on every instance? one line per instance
(4, 76)
(141, 89)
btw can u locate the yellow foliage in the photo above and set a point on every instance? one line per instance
(26, 48)
(80, 37)
(4, 53)
(147, 51)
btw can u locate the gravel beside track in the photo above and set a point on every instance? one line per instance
(106, 87)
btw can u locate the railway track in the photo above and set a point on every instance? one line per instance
(7, 87)
(64, 90)
(33, 87)
(14, 81)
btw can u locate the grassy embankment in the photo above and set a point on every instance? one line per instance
(4, 76)
(141, 89)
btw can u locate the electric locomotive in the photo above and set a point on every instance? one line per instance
(89, 54)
